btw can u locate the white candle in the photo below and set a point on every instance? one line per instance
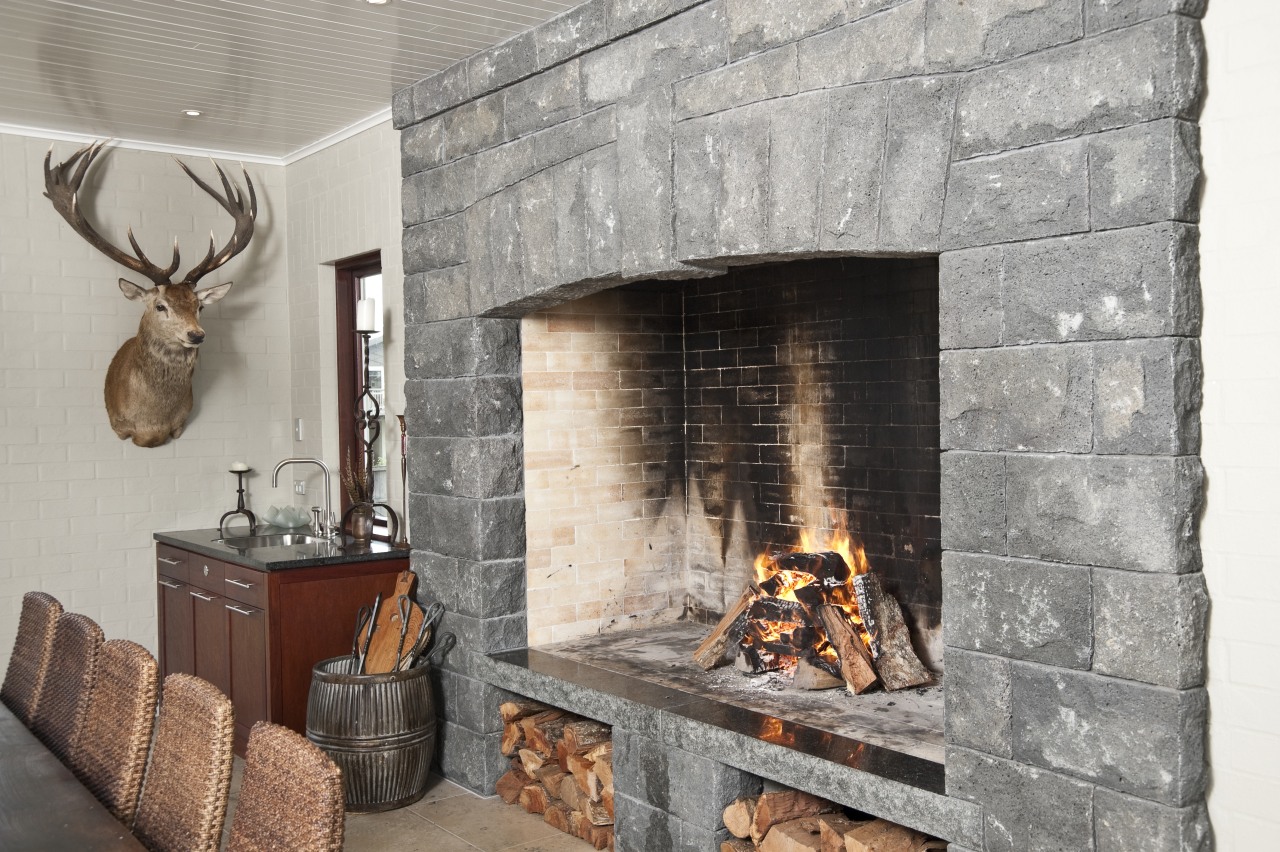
(235, 466)
(366, 315)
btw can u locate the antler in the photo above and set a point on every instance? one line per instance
(234, 203)
(62, 186)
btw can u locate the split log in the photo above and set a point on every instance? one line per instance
(557, 815)
(543, 735)
(512, 711)
(783, 806)
(734, 844)
(510, 785)
(809, 676)
(534, 799)
(550, 775)
(580, 767)
(796, 835)
(606, 799)
(528, 723)
(882, 836)
(512, 738)
(891, 652)
(711, 652)
(855, 662)
(532, 761)
(581, 734)
(599, 836)
(738, 816)
(828, 567)
(834, 828)
(578, 801)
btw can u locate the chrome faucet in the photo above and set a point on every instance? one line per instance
(325, 526)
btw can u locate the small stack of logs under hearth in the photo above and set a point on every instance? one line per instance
(792, 821)
(561, 767)
(810, 613)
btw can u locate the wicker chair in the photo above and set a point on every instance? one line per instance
(290, 798)
(30, 658)
(64, 692)
(184, 797)
(110, 753)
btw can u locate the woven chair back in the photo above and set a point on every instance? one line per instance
(31, 650)
(110, 754)
(64, 691)
(290, 797)
(184, 796)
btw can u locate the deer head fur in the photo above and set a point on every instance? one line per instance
(148, 387)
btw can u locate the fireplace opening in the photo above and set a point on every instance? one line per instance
(678, 432)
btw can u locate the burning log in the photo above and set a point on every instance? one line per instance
(828, 568)
(855, 660)
(726, 632)
(891, 652)
(810, 676)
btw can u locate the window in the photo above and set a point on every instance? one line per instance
(361, 278)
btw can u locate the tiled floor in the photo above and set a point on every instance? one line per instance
(447, 819)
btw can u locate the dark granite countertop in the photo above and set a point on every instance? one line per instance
(279, 558)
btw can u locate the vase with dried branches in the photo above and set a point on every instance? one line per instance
(357, 480)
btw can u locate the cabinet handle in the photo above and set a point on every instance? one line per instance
(235, 608)
(167, 561)
(170, 584)
(203, 597)
(240, 583)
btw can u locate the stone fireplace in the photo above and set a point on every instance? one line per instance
(658, 159)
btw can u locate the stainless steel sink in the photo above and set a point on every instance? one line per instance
(247, 542)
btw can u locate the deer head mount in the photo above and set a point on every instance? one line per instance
(148, 388)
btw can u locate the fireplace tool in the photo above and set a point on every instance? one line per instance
(404, 484)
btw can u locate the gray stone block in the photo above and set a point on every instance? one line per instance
(701, 788)
(697, 187)
(960, 36)
(1137, 282)
(853, 159)
(875, 48)
(464, 347)
(1147, 173)
(970, 298)
(468, 467)
(434, 245)
(472, 127)
(473, 760)
(1129, 824)
(486, 635)
(479, 530)
(1134, 75)
(402, 108)
(547, 99)
(479, 590)
(1147, 396)
(1150, 627)
(573, 32)
(626, 16)
(973, 512)
(438, 192)
(603, 237)
(744, 181)
(917, 156)
(678, 47)
(535, 223)
(1034, 192)
(435, 570)
(569, 203)
(644, 184)
(1017, 608)
(1023, 807)
(1103, 15)
(504, 166)
(759, 25)
(1025, 398)
(441, 91)
(421, 147)
(574, 137)
(471, 407)
(437, 295)
(979, 702)
(474, 704)
(641, 771)
(642, 828)
(1118, 512)
(503, 64)
(797, 128)
(768, 75)
(1131, 737)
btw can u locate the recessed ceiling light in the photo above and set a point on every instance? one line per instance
(377, 2)
(191, 112)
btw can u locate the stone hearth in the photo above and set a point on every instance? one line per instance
(1046, 153)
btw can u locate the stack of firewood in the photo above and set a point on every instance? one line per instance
(561, 767)
(791, 821)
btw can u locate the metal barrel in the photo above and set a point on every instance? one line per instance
(379, 728)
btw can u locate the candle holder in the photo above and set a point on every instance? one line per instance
(240, 507)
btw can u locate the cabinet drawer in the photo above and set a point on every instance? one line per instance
(245, 585)
(171, 562)
(206, 573)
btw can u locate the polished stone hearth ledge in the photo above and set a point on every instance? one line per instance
(670, 714)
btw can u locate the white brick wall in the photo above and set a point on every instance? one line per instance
(1241, 416)
(77, 505)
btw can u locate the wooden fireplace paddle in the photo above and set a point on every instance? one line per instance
(397, 622)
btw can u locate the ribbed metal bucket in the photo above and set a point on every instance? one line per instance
(379, 728)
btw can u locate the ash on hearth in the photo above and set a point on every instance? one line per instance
(821, 615)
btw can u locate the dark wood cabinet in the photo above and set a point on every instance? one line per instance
(256, 634)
